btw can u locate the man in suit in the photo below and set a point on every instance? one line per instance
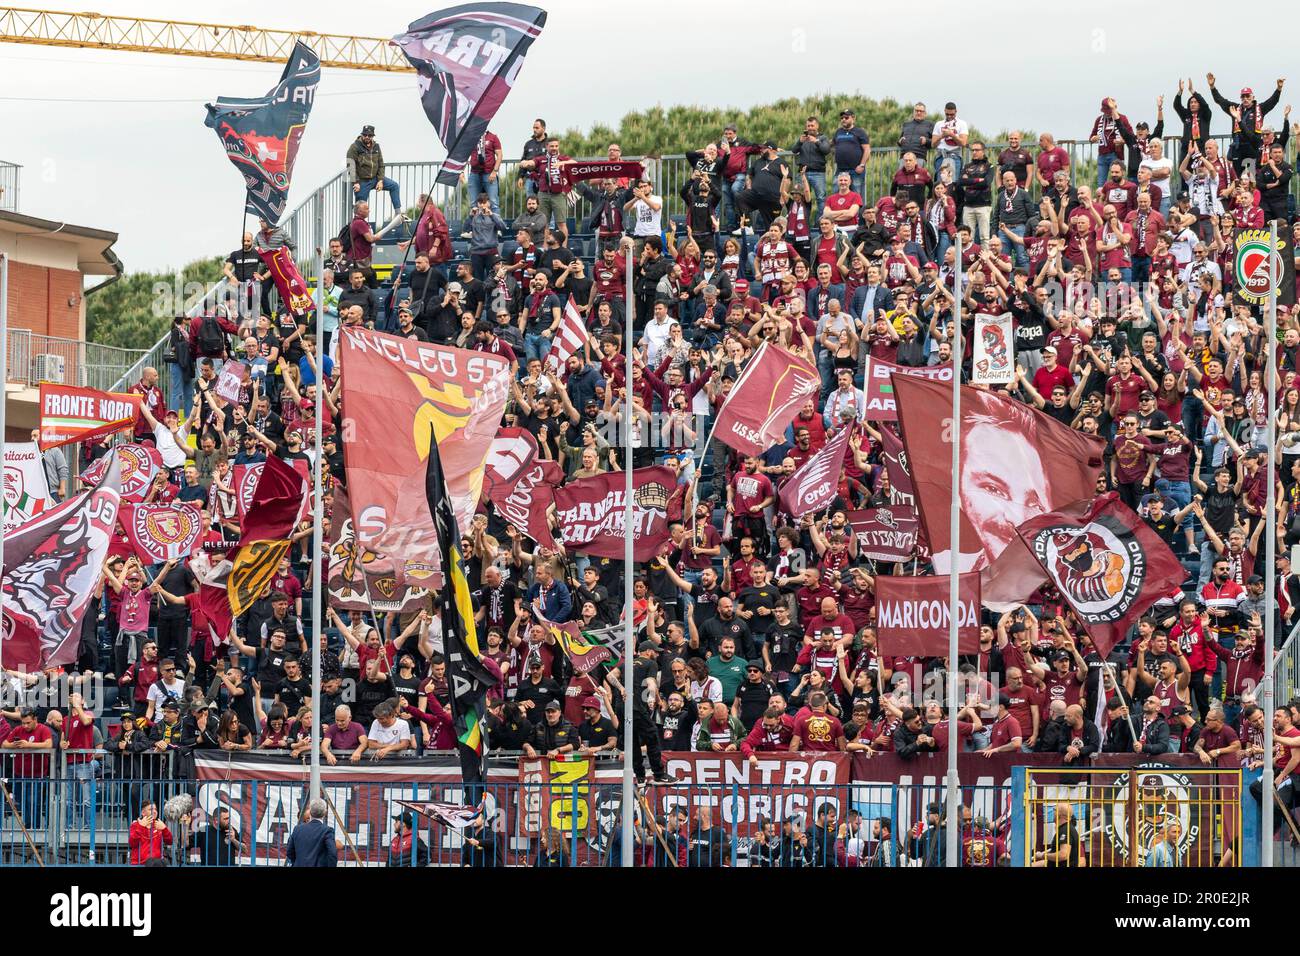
(312, 843)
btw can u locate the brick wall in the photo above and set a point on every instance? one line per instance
(38, 300)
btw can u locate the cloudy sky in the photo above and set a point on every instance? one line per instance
(117, 141)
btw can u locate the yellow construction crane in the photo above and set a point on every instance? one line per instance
(95, 31)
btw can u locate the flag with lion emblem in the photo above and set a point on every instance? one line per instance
(1107, 564)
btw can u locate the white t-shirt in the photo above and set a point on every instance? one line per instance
(656, 335)
(173, 456)
(1156, 165)
(159, 692)
(944, 128)
(648, 221)
(1181, 250)
(382, 736)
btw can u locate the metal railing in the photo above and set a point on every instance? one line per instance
(35, 358)
(10, 184)
(669, 174)
(153, 356)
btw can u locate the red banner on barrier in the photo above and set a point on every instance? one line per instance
(776, 786)
(69, 413)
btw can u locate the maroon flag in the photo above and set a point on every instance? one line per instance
(521, 485)
(245, 478)
(878, 385)
(160, 533)
(766, 397)
(1016, 463)
(901, 491)
(569, 337)
(814, 486)
(912, 615)
(1108, 565)
(288, 280)
(278, 504)
(590, 512)
(138, 465)
(51, 567)
(887, 533)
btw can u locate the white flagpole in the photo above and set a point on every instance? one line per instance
(954, 573)
(1270, 557)
(629, 647)
(317, 508)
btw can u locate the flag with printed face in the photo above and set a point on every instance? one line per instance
(1105, 561)
(52, 565)
(815, 485)
(765, 399)
(279, 502)
(468, 58)
(261, 134)
(1016, 463)
(569, 338)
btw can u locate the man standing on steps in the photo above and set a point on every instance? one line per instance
(645, 699)
(363, 239)
(366, 169)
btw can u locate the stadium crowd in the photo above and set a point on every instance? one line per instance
(756, 630)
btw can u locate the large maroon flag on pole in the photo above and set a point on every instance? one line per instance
(814, 486)
(764, 399)
(1108, 565)
(1016, 464)
(590, 512)
(521, 484)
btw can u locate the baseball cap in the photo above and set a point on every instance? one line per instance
(754, 666)
(403, 310)
(1179, 710)
(1049, 348)
(769, 144)
(553, 705)
(1254, 579)
(847, 112)
(367, 130)
(1145, 394)
(591, 701)
(1247, 91)
(455, 287)
(646, 646)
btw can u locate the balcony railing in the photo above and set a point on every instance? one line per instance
(37, 358)
(10, 180)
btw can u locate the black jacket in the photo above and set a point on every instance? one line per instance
(1157, 735)
(362, 297)
(1091, 737)
(1185, 114)
(975, 187)
(214, 848)
(905, 745)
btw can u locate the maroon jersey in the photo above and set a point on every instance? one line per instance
(1020, 702)
(750, 491)
(1131, 459)
(1004, 730)
(818, 732)
(1067, 688)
